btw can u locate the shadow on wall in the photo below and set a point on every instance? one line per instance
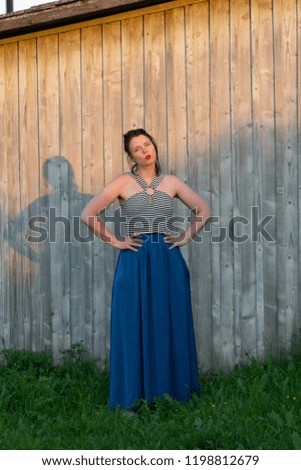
(53, 218)
(51, 300)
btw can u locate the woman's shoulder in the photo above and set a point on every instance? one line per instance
(174, 185)
(169, 178)
(122, 178)
(118, 183)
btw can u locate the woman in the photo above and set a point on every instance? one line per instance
(152, 339)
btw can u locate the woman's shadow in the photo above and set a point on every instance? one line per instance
(56, 297)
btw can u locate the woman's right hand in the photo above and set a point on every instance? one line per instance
(129, 243)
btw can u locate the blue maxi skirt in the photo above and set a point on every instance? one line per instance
(152, 337)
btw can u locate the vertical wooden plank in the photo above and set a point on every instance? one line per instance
(28, 121)
(112, 147)
(299, 131)
(70, 100)
(242, 179)
(112, 99)
(10, 147)
(176, 101)
(176, 104)
(264, 170)
(132, 74)
(222, 250)
(198, 169)
(286, 168)
(65, 254)
(4, 292)
(5, 130)
(155, 82)
(92, 108)
(29, 317)
(48, 93)
(49, 142)
(93, 177)
(176, 92)
(3, 215)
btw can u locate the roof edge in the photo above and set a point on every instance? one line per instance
(63, 12)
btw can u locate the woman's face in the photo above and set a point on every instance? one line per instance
(142, 150)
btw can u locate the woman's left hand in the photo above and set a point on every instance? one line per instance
(175, 240)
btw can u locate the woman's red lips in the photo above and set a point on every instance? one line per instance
(147, 157)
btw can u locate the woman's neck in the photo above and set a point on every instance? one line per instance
(147, 174)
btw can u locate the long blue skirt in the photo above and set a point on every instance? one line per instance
(152, 337)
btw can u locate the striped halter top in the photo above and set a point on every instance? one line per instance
(148, 210)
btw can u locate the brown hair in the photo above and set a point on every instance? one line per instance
(135, 133)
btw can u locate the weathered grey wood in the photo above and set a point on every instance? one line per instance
(155, 82)
(93, 176)
(177, 104)
(49, 146)
(286, 168)
(242, 178)
(263, 151)
(223, 302)
(133, 77)
(10, 148)
(30, 313)
(198, 170)
(9, 112)
(216, 84)
(112, 148)
(71, 148)
(299, 135)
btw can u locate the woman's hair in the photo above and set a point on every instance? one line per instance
(135, 133)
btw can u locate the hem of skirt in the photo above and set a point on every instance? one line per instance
(136, 405)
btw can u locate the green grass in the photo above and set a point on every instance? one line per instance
(65, 407)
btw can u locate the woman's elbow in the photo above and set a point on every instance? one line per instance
(84, 217)
(209, 213)
(205, 211)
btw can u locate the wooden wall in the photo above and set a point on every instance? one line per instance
(216, 82)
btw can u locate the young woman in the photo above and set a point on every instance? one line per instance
(152, 337)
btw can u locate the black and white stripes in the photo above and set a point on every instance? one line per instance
(148, 210)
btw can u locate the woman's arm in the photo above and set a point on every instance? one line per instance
(197, 205)
(97, 205)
